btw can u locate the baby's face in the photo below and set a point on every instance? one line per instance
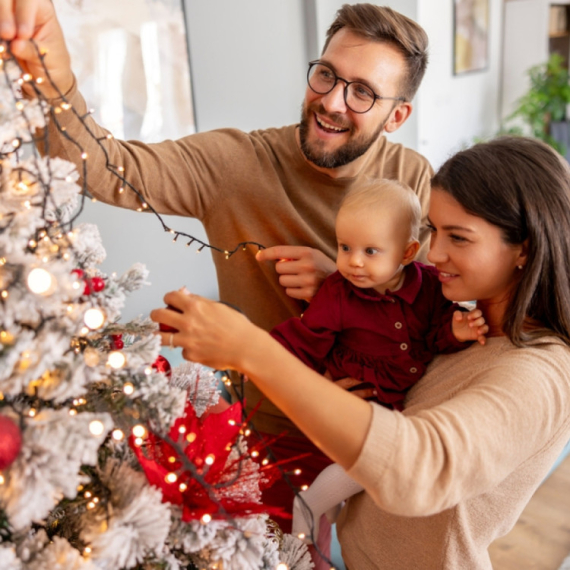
(371, 247)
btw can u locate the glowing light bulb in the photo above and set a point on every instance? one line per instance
(282, 566)
(255, 453)
(128, 388)
(87, 494)
(191, 437)
(87, 550)
(171, 478)
(96, 427)
(301, 535)
(139, 430)
(90, 505)
(297, 472)
(32, 413)
(182, 429)
(94, 318)
(182, 487)
(40, 281)
(206, 518)
(265, 461)
(304, 487)
(116, 359)
(2, 480)
(4, 294)
(118, 435)
(138, 441)
(73, 412)
(210, 459)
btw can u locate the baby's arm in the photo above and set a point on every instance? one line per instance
(324, 496)
(469, 326)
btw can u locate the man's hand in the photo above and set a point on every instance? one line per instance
(23, 20)
(301, 269)
(469, 326)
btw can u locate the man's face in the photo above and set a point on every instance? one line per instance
(332, 135)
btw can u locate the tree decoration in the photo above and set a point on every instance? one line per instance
(10, 442)
(79, 390)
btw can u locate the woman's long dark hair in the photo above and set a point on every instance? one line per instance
(522, 186)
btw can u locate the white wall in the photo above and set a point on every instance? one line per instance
(453, 110)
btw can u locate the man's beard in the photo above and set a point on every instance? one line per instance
(345, 154)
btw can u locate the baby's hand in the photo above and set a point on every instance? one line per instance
(469, 326)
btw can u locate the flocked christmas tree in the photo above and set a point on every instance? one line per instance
(107, 457)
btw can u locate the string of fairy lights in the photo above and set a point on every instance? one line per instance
(117, 170)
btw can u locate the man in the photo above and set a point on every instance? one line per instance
(277, 187)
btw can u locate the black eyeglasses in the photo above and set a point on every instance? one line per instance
(358, 97)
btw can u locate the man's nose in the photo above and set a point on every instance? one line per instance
(334, 101)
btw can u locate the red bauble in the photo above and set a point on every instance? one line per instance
(87, 289)
(162, 365)
(10, 441)
(118, 344)
(97, 284)
(166, 328)
(78, 272)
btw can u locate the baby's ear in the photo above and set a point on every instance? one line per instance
(410, 252)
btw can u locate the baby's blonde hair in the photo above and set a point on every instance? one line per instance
(384, 193)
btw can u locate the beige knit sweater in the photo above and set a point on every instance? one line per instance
(243, 187)
(454, 471)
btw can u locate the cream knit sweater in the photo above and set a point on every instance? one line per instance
(454, 471)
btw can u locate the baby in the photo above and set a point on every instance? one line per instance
(380, 318)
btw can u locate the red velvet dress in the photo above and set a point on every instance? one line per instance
(385, 340)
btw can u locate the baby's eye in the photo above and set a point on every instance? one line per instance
(343, 247)
(371, 251)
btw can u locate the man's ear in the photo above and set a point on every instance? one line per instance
(411, 251)
(398, 116)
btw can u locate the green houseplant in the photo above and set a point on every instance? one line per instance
(543, 107)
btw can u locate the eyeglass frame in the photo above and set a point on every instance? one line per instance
(345, 90)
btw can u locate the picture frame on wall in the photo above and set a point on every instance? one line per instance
(470, 36)
(132, 64)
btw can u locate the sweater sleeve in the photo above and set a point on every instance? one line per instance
(422, 464)
(183, 177)
(312, 336)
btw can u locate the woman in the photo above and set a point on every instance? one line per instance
(482, 428)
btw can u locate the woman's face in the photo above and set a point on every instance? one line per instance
(474, 262)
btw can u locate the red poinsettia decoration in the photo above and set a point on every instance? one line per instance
(193, 467)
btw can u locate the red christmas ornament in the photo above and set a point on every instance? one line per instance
(161, 364)
(206, 443)
(10, 441)
(79, 272)
(87, 289)
(165, 328)
(97, 284)
(118, 344)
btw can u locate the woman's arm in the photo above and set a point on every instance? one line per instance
(212, 333)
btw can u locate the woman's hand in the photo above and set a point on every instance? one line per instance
(208, 332)
(351, 385)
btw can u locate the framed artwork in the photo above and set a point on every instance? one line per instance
(131, 61)
(470, 35)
